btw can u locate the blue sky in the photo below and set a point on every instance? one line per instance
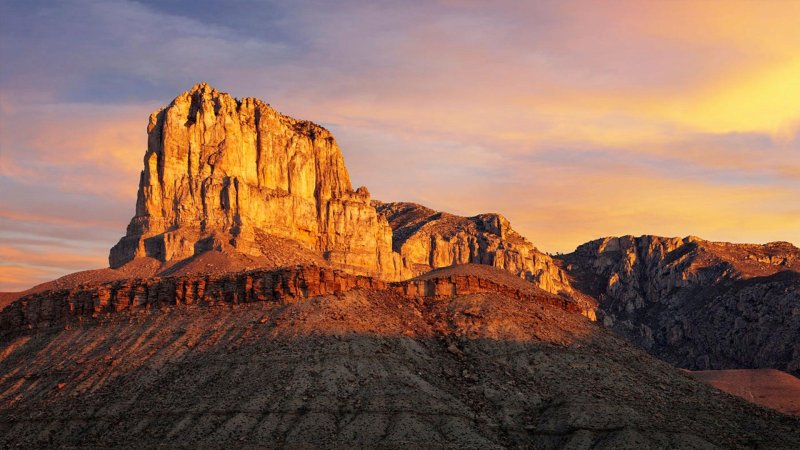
(574, 119)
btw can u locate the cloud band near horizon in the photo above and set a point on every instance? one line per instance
(574, 119)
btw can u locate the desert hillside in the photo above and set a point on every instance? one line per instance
(365, 367)
(767, 387)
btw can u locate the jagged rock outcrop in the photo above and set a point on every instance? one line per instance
(59, 306)
(695, 303)
(429, 239)
(220, 170)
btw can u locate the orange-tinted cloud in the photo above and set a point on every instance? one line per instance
(15, 277)
(574, 119)
(45, 256)
(81, 147)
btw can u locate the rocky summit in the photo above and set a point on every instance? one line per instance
(257, 300)
(221, 172)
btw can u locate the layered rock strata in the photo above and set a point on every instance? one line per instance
(220, 170)
(695, 303)
(49, 308)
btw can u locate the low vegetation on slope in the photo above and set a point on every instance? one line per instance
(369, 367)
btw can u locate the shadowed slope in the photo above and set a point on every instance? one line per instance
(365, 367)
(695, 303)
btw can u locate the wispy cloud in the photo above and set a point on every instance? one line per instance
(574, 119)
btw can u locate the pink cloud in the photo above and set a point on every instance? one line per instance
(574, 119)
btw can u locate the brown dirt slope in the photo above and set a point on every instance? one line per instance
(485, 272)
(767, 387)
(45, 310)
(365, 368)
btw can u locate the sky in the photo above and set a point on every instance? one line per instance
(575, 120)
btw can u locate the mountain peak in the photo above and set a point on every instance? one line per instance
(202, 87)
(221, 174)
(227, 170)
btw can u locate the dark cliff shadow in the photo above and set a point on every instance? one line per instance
(784, 276)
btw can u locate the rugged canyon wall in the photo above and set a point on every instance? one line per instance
(221, 171)
(695, 303)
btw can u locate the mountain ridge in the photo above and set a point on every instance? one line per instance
(696, 303)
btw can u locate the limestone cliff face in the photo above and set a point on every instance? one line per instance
(695, 303)
(221, 170)
(221, 173)
(428, 240)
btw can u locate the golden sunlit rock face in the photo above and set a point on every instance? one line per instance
(223, 174)
(219, 171)
(429, 239)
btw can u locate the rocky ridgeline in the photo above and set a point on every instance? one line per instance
(56, 307)
(428, 239)
(697, 304)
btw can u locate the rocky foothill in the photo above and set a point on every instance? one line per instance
(363, 367)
